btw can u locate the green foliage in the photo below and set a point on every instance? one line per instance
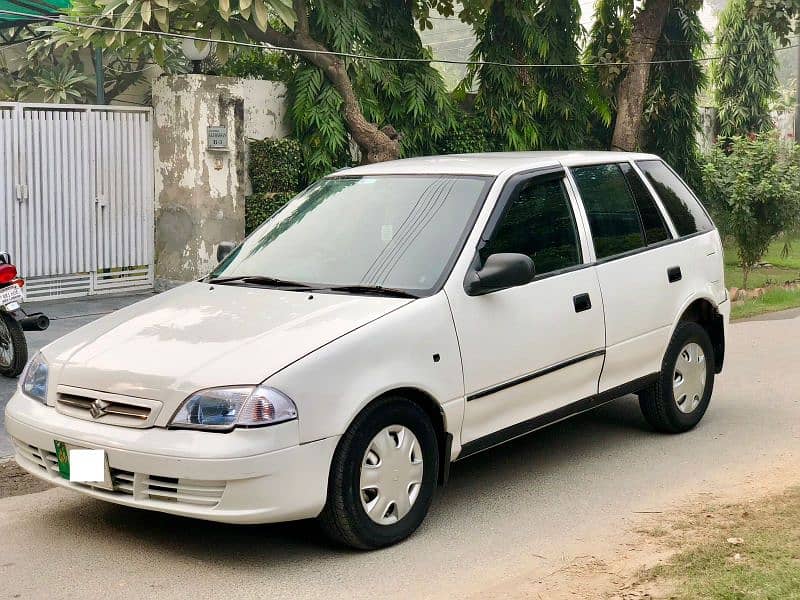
(776, 14)
(466, 137)
(52, 81)
(277, 173)
(276, 165)
(260, 64)
(744, 78)
(316, 113)
(671, 113)
(260, 207)
(752, 186)
(608, 42)
(411, 97)
(529, 108)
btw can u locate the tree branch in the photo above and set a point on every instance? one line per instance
(301, 11)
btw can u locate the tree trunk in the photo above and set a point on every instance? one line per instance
(647, 26)
(376, 145)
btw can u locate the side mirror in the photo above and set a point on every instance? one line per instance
(5, 258)
(499, 272)
(224, 249)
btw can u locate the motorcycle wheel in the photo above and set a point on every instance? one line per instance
(13, 347)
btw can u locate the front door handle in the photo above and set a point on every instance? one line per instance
(582, 302)
(674, 274)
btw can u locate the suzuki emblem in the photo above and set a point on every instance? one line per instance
(98, 408)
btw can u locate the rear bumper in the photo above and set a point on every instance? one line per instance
(196, 480)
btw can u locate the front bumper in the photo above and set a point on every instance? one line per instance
(231, 478)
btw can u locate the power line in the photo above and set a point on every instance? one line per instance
(166, 34)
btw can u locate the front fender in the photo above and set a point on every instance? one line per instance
(413, 347)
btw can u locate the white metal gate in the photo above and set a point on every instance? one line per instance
(76, 197)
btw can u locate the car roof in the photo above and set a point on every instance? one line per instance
(490, 163)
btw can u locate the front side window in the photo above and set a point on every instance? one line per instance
(683, 208)
(613, 218)
(392, 231)
(538, 222)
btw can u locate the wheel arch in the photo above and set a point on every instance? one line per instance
(435, 413)
(703, 311)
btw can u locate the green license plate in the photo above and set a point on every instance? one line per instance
(63, 459)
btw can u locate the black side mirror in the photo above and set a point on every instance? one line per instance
(5, 258)
(224, 249)
(499, 272)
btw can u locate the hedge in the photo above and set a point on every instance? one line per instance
(260, 207)
(277, 174)
(276, 165)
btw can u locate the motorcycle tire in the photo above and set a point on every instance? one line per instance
(13, 347)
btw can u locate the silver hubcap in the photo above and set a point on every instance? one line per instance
(391, 474)
(6, 346)
(689, 378)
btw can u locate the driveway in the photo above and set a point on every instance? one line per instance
(514, 513)
(65, 316)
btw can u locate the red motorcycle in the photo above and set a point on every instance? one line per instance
(14, 320)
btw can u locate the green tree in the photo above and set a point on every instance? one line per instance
(243, 20)
(609, 37)
(752, 185)
(529, 108)
(671, 114)
(408, 99)
(745, 81)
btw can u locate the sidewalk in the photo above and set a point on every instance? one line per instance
(65, 316)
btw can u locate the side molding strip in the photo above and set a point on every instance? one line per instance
(554, 416)
(530, 376)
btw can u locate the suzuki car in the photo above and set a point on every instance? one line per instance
(389, 320)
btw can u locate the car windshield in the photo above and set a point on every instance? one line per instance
(401, 232)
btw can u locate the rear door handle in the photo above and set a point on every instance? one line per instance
(674, 274)
(582, 302)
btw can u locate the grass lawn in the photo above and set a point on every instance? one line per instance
(742, 551)
(781, 270)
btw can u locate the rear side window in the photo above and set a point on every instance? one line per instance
(683, 208)
(655, 230)
(612, 214)
(538, 222)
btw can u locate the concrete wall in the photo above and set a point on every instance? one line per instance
(200, 192)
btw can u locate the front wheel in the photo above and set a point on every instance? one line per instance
(383, 476)
(679, 398)
(13, 348)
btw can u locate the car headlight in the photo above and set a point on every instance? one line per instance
(222, 409)
(34, 379)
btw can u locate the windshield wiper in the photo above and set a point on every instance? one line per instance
(260, 280)
(370, 289)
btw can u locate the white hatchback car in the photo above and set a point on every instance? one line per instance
(390, 319)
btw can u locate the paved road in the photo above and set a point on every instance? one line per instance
(511, 512)
(65, 316)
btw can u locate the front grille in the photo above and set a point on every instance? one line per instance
(140, 486)
(110, 409)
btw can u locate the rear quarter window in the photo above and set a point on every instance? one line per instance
(686, 213)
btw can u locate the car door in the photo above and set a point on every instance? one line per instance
(636, 264)
(530, 351)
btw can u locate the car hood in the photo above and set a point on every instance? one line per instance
(198, 336)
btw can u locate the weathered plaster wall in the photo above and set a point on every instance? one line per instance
(200, 192)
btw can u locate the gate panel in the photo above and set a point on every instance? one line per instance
(124, 183)
(8, 178)
(55, 217)
(76, 197)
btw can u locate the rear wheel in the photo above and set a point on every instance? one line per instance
(677, 401)
(383, 476)
(13, 347)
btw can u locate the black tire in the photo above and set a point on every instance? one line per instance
(344, 518)
(658, 403)
(16, 340)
